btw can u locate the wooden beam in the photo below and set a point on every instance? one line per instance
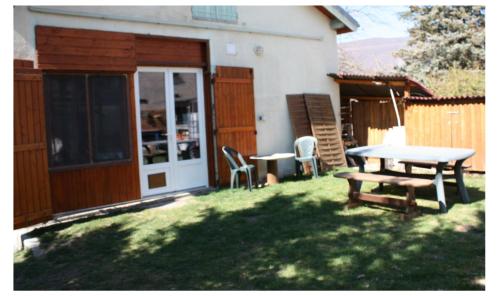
(406, 91)
(396, 83)
(368, 97)
(383, 200)
(357, 81)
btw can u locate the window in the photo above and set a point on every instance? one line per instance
(186, 116)
(227, 14)
(87, 119)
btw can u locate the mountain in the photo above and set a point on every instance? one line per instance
(370, 56)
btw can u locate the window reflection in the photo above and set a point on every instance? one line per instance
(153, 117)
(186, 116)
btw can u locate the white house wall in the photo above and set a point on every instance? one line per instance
(295, 64)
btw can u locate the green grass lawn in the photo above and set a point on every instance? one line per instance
(295, 235)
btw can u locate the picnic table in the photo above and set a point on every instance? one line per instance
(272, 164)
(441, 155)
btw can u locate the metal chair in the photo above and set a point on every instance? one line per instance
(304, 148)
(231, 155)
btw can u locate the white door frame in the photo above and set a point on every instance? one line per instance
(174, 167)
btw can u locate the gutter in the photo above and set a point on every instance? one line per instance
(229, 28)
(343, 16)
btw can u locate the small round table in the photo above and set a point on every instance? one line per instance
(272, 164)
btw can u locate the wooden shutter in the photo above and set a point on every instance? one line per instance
(235, 114)
(32, 202)
(324, 128)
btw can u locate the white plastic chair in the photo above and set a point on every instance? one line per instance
(231, 155)
(305, 148)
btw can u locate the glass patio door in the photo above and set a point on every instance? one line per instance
(171, 132)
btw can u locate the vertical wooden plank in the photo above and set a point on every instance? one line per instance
(27, 178)
(22, 113)
(44, 191)
(208, 122)
(36, 197)
(19, 203)
(435, 124)
(421, 125)
(29, 112)
(482, 166)
(45, 176)
(17, 108)
(37, 125)
(135, 189)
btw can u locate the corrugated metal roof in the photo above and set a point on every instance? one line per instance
(446, 98)
(351, 76)
(417, 88)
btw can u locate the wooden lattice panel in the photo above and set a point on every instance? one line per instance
(324, 128)
(298, 115)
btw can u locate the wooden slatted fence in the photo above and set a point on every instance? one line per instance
(372, 118)
(448, 123)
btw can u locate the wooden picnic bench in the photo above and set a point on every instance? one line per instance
(442, 156)
(409, 164)
(356, 197)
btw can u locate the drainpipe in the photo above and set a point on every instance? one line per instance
(395, 106)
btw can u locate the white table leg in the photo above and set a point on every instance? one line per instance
(438, 182)
(459, 177)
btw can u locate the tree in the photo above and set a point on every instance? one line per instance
(443, 38)
(347, 63)
(457, 82)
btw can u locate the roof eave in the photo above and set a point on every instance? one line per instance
(379, 79)
(338, 14)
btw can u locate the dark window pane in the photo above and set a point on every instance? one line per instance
(110, 124)
(67, 126)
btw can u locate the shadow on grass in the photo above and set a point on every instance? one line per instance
(284, 242)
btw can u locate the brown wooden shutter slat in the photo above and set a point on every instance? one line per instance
(235, 114)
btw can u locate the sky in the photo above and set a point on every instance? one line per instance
(376, 22)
